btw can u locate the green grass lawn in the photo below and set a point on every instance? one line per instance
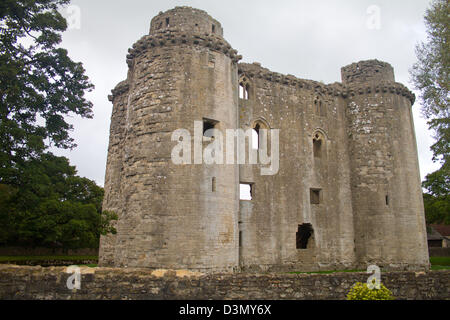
(440, 263)
(437, 263)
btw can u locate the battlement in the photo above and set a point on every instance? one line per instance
(368, 71)
(187, 20)
(255, 70)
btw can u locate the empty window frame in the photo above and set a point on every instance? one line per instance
(316, 196)
(303, 235)
(167, 22)
(244, 89)
(246, 191)
(317, 145)
(255, 137)
(213, 29)
(214, 185)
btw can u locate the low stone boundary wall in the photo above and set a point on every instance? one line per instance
(18, 282)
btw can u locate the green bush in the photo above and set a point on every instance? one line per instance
(360, 291)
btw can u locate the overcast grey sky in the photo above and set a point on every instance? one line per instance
(309, 39)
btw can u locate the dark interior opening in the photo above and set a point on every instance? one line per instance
(317, 146)
(304, 233)
(315, 196)
(208, 125)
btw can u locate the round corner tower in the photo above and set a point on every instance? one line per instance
(173, 216)
(389, 218)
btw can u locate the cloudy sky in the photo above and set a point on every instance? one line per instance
(309, 39)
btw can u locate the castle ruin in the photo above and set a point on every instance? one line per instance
(347, 193)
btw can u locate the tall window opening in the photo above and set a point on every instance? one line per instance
(317, 145)
(167, 22)
(213, 28)
(255, 137)
(244, 89)
(303, 235)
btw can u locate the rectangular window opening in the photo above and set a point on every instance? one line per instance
(387, 200)
(213, 29)
(214, 187)
(168, 22)
(316, 196)
(246, 191)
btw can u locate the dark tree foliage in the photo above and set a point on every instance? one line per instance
(39, 83)
(42, 201)
(51, 206)
(431, 75)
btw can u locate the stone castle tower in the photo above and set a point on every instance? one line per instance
(347, 193)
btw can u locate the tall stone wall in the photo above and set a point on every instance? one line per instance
(142, 284)
(169, 215)
(389, 218)
(300, 109)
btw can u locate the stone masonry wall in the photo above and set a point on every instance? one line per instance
(143, 284)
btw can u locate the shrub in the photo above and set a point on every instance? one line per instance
(360, 291)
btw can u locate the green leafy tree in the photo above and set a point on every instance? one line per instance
(39, 83)
(53, 207)
(42, 200)
(431, 76)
